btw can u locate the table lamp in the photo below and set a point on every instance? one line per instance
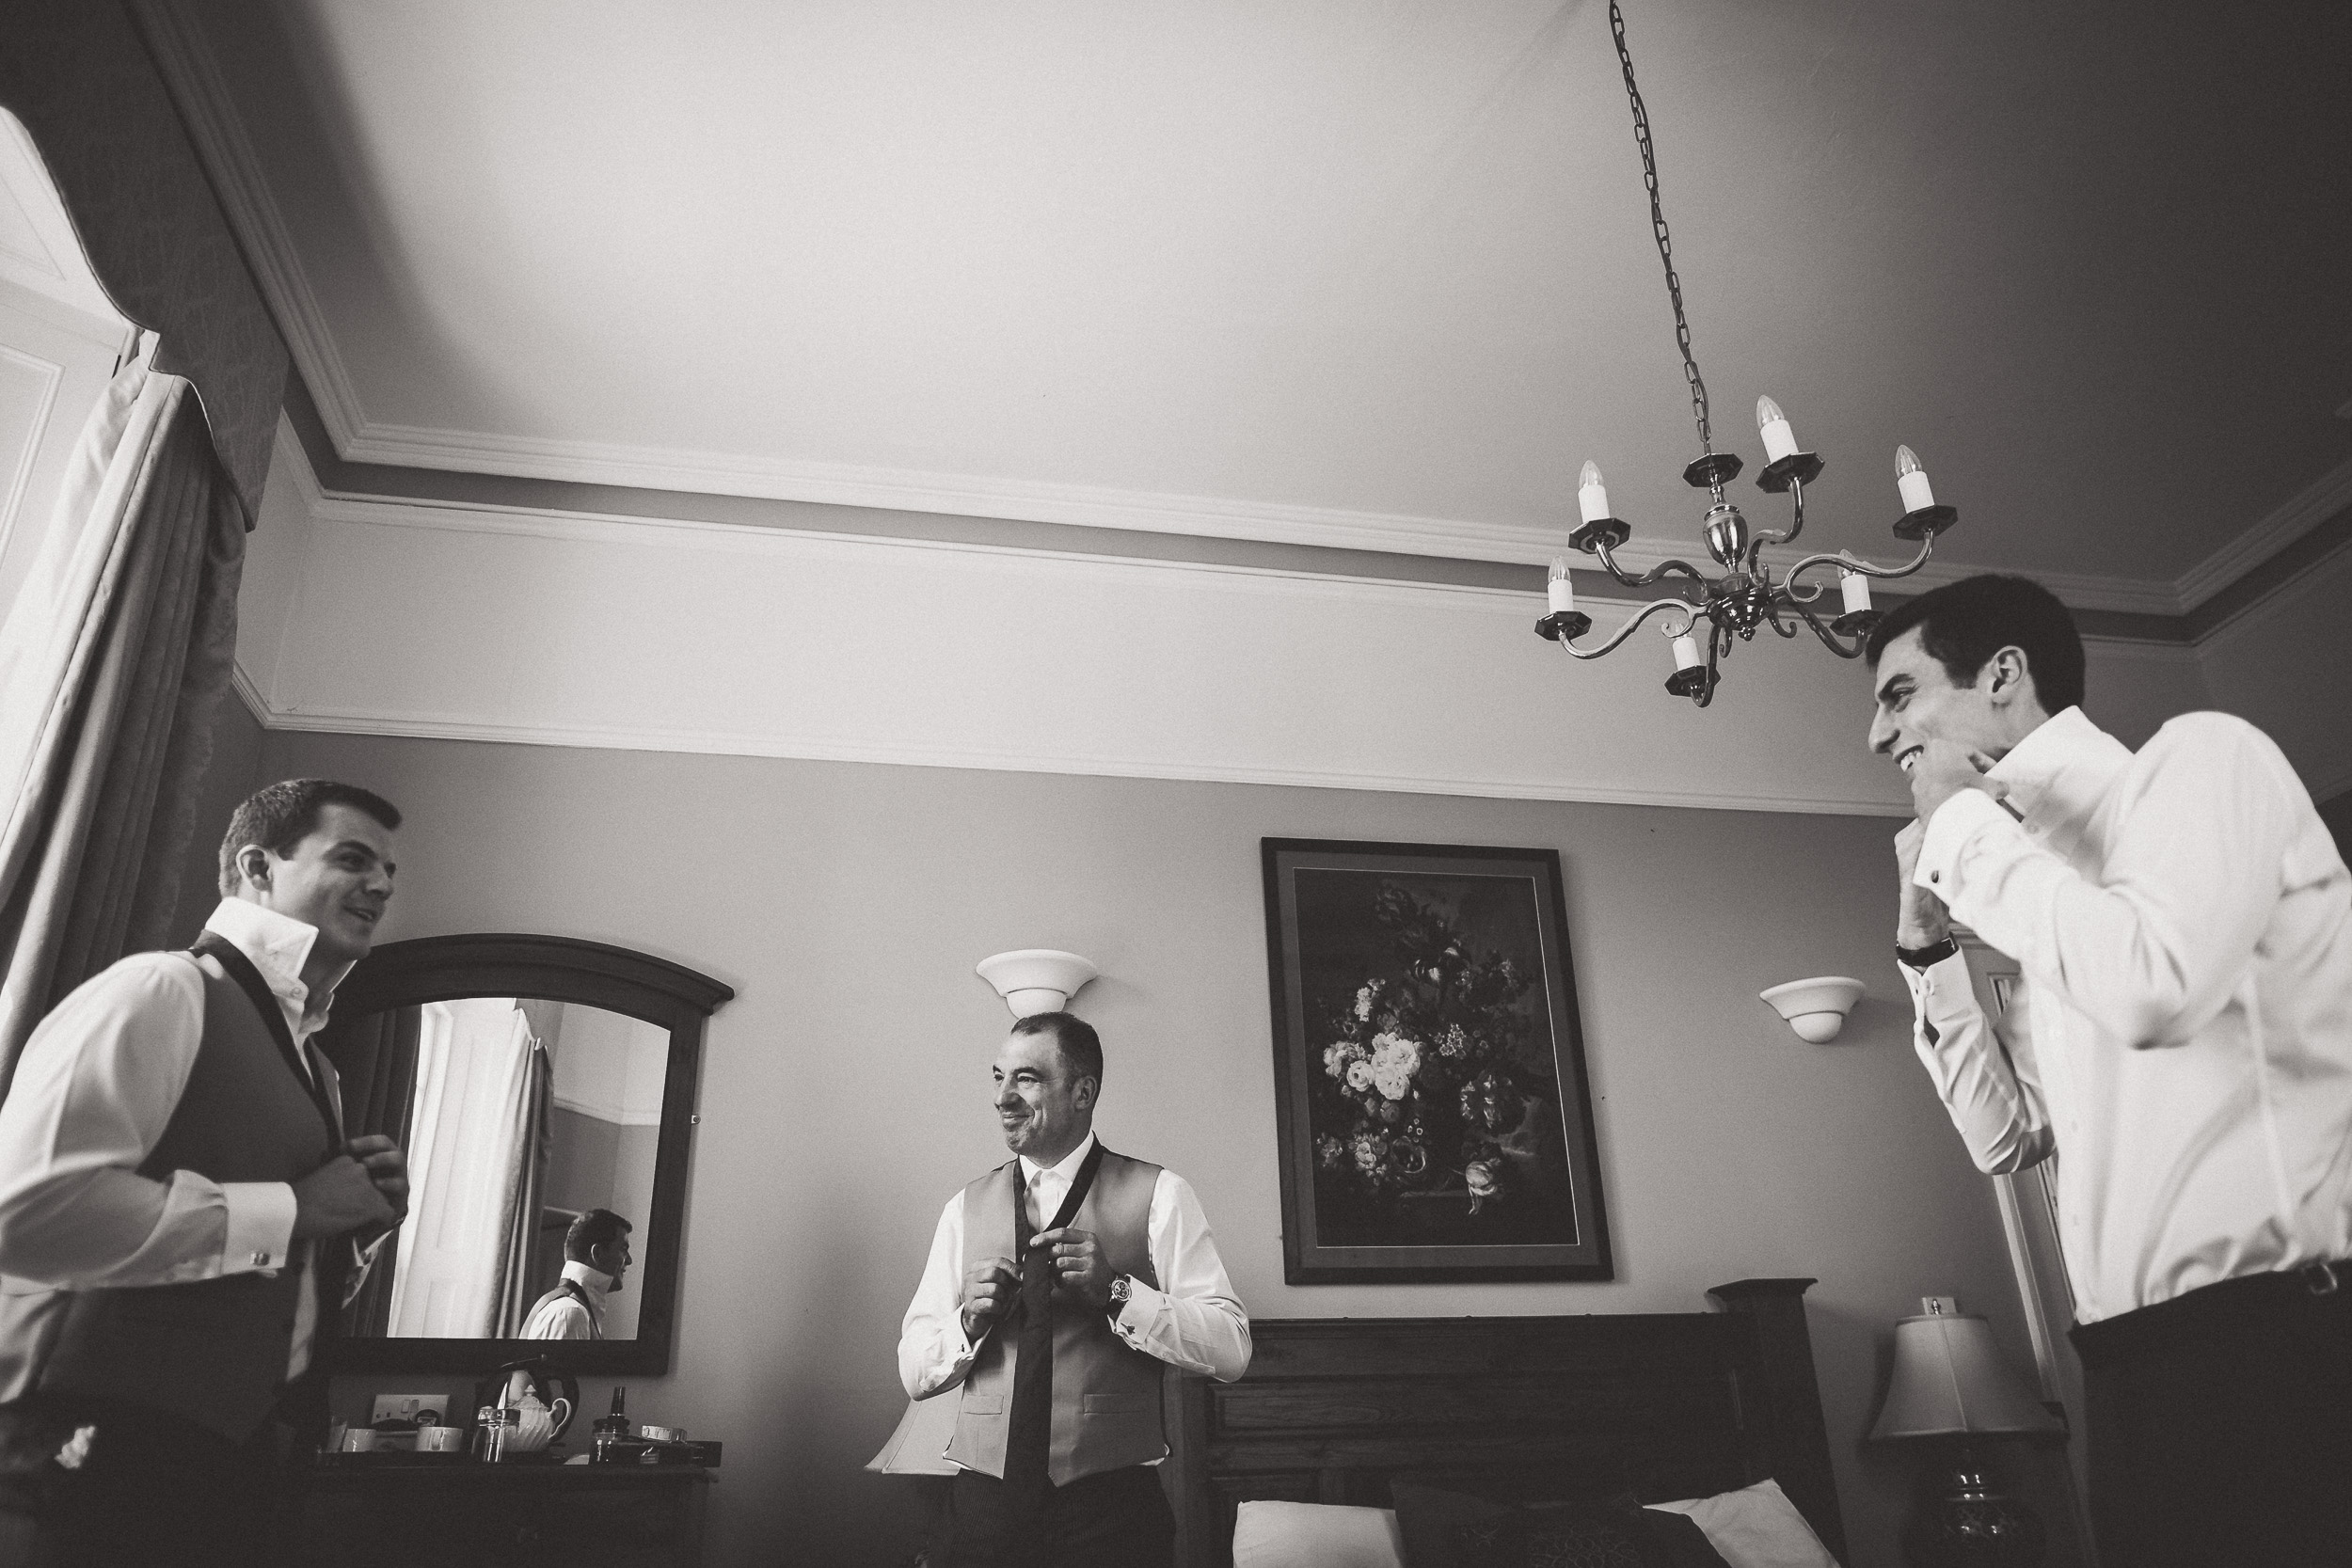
(1950, 1386)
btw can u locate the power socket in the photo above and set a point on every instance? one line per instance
(407, 1408)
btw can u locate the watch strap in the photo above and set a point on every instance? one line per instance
(1932, 954)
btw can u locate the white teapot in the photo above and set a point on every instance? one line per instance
(537, 1423)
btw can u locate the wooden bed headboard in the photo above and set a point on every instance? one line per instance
(1665, 1404)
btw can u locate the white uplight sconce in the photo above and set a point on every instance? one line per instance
(1816, 1009)
(1036, 979)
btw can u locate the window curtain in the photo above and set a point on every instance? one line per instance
(477, 1136)
(375, 1058)
(525, 1182)
(112, 661)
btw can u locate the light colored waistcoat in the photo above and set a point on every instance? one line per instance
(1106, 1394)
(213, 1351)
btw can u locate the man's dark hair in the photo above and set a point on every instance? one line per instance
(280, 815)
(1081, 1046)
(596, 1228)
(1964, 624)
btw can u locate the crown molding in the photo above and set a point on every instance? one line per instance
(2309, 508)
(188, 65)
(193, 74)
(428, 726)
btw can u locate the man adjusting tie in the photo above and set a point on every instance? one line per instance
(1058, 1284)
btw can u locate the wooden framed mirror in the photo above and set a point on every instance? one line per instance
(531, 1080)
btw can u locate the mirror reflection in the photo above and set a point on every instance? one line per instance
(532, 1128)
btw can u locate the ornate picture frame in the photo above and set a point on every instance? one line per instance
(1431, 1098)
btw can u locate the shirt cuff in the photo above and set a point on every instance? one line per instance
(1141, 1310)
(260, 1227)
(1955, 822)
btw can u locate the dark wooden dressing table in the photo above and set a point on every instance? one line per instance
(396, 1515)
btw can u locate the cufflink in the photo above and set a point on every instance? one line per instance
(261, 1260)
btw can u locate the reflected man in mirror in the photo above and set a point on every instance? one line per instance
(596, 1260)
(2182, 1042)
(1056, 1286)
(181, 1217)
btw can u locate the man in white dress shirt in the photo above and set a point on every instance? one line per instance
(1058, 1284)
(181, 1215)
(2182, 1045)
(596, 1261)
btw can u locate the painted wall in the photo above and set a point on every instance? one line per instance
(844, 1091)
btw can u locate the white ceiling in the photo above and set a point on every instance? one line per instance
(1253, 262)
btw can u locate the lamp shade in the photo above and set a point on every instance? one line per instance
(1950, 1382)
(1036, 979)
(1816, 1009)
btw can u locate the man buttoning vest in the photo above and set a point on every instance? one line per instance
(596, 1260)
(1057, 1285)
(181, 1218)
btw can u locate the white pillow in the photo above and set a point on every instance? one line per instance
(1756, 1527)
(1316, 1535)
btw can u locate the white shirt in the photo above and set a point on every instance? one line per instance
(94, 1090)
(564, 1316)
(2183, 923)
(1192, 1321)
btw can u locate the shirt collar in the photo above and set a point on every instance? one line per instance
(2058, 775)
(595, 1281)
(279, 945)
(1066, 1172)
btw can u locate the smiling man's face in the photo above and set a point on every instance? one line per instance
(1044, 1109)
(338, 876)
(1918, 702)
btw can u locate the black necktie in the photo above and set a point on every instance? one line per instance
(1028, 1436)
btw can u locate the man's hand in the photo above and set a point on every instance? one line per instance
(1079, 1264)
(336, 1199)
(1920, 918)
(1942, 770)
(989, 1288)
(387, 1166)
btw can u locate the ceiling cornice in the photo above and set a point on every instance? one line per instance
(2124, 607)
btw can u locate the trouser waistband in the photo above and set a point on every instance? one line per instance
(2211, 1312)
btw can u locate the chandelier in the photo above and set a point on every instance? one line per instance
(1748, 594)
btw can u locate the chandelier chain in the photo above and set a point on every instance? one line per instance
(1658, 228)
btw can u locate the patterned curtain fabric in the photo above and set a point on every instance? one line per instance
(78, 75)
(112, 663)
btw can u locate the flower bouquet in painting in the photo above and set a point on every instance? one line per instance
(1435, 1111)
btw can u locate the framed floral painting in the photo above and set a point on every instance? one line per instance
(1429, 1069)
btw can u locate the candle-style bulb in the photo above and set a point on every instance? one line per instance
(1592, 496)
(1912, 480)
(1560, 591)
(1780, 440)
(1687, 653)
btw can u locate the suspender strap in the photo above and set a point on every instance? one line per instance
(240, 969)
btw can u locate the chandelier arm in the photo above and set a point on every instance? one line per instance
(1796, 524)
(1718, 643)
(1849, 564)
(1829, 637)
(1658, 572)
(1617, 639)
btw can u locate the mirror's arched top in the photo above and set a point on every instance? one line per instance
(570, 969)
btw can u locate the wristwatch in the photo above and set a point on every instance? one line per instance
(1121, 1289)
(1929, 957)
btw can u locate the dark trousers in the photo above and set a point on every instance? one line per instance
(1116, 1519)
(153, 1490)
(2221, 1426)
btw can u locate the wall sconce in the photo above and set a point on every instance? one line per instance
(1816, 1009)
(1036, 979)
